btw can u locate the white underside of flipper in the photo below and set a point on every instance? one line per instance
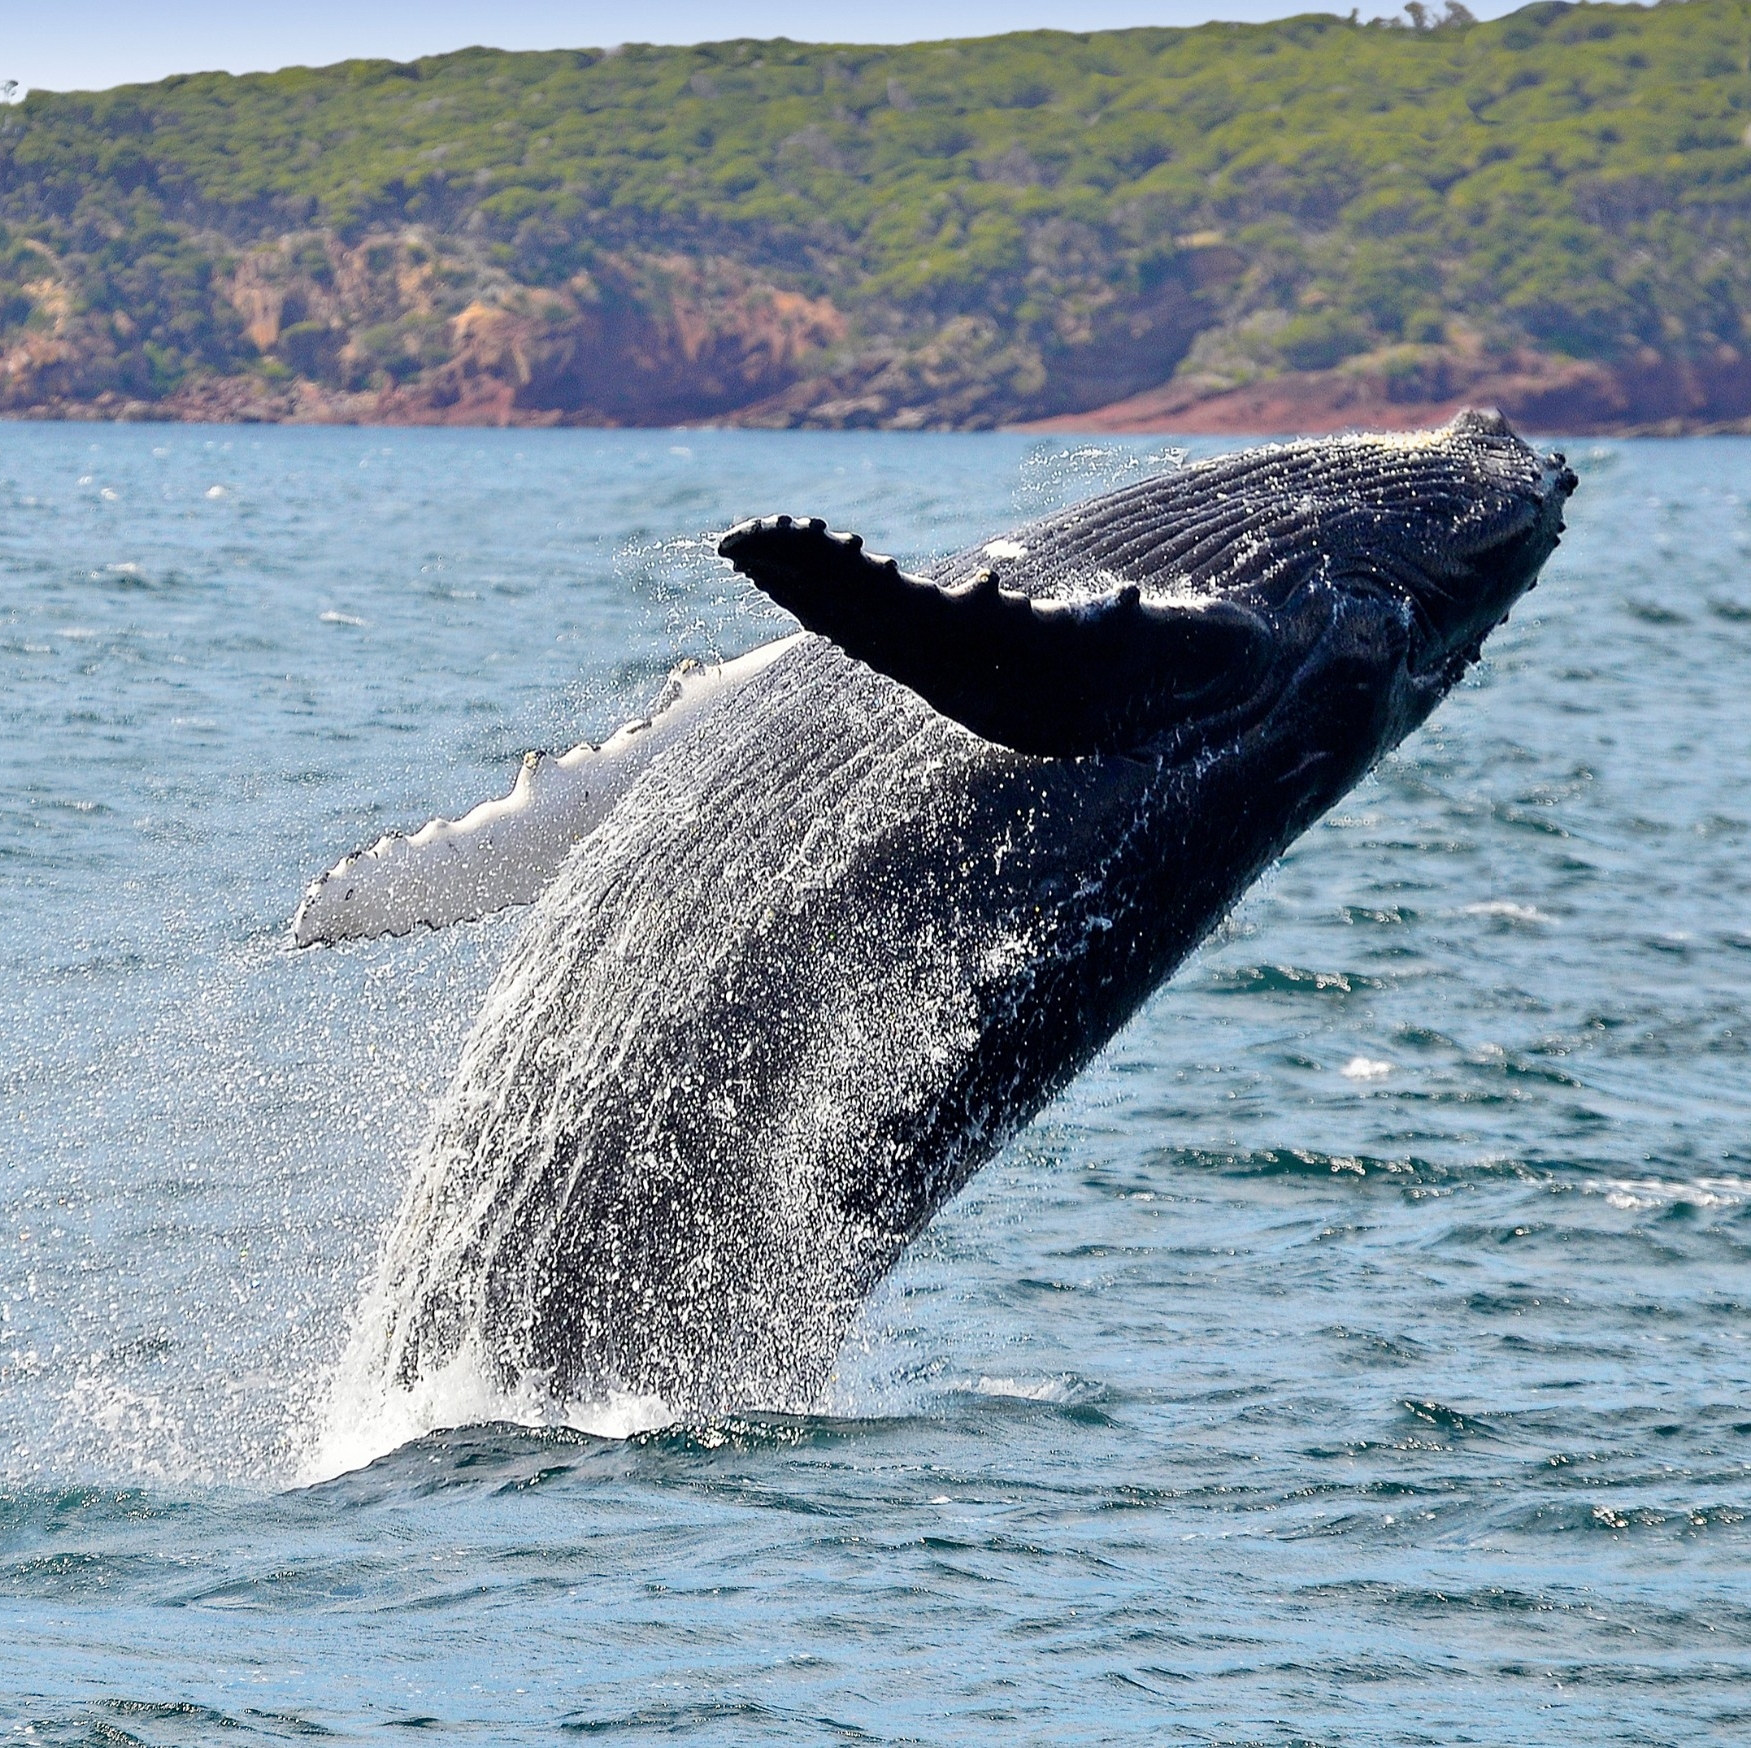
(504, 852)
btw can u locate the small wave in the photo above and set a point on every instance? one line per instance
(1288, 980)
(365, 1419)
(1065, 1390)
(728, 1719)
(1586, 1517)
(507, 1456)
(752, 1430)
(333, 618)
(1365, 1068)
(1442, 1418)
(1653, 612)
(1508, 911)
(1641, 1194)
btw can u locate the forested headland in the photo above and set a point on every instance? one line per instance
(1305, 224)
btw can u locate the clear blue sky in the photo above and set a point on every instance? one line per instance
(89, 44)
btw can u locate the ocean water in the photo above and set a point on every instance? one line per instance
(1357, 1354)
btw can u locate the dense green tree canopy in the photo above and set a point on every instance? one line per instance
(1575, 177)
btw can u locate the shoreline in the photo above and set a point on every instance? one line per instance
(1535, 393)
(1393, 417)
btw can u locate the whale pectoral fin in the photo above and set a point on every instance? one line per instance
(1056, 679)
(500, 853)
(504, 852)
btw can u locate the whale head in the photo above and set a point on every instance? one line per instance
(1453, 524)
(1375, 566)
(1173, 611)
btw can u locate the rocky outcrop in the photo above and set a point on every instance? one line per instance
(657, 342)
(970, 374)
(402, 328)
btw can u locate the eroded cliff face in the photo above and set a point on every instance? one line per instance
(396, 329)
(658, 341)
(970, 372)
(406, 328)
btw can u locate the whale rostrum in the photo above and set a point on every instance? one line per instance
(818, 937)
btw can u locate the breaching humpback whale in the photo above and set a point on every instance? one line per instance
(817, 937)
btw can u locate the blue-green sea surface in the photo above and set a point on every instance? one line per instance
(1357, 1354)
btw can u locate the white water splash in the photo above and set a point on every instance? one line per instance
(366, 1417)
(1509, 911)
(137, 1431)
(1365, 1068)
(1064, 1390)
(1641, 1194)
